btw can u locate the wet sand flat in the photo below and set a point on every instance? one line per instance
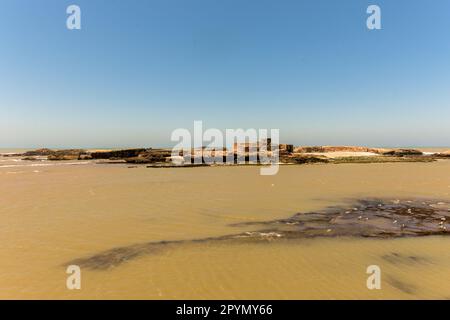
(54, 214)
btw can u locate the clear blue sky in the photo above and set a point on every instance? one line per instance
(139, 69)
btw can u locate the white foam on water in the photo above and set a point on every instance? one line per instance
(43, 164)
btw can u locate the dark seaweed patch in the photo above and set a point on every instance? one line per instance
(397, 258)
(402, 286)
(370, 218)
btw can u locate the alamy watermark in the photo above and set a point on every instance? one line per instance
(374, 280)
(73, 281)
(236, 146)
(73, 21)
(373, 22)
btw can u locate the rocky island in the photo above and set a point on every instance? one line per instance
(288, 154)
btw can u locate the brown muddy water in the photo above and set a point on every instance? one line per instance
(52, 214)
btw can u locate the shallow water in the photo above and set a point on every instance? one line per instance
(54, 214)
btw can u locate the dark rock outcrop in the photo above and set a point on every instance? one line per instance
(403, 152)
(86, 156)
(371, 218)
(30, 159)
(63, 154)
(302, 159)
(38, 152)
(442, 155)
(286, 148)
(117, 154)
(151, 156)
(67, 154)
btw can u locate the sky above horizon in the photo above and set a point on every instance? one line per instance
(139, 69)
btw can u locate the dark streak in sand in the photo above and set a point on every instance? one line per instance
(371, 218)
(402, 286)
(397, 258)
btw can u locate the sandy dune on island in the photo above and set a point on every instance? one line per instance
(339, 154)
